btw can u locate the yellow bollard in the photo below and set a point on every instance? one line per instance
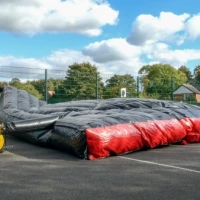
(2, 140)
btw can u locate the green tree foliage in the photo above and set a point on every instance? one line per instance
(116, 82)
(40, 85)
(80, 82)
(15, 82)
(56, 85)
(186, 71)
(197, 73)
(31, 90)
(159, 80)
(3, 83)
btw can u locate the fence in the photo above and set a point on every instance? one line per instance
(59, 86)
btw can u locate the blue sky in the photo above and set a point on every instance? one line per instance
(117, 36)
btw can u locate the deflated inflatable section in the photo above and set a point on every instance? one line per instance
(29, 125)
(95, 129)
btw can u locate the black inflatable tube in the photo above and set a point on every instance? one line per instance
(29, 125)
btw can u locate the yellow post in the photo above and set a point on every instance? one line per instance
(2, 140)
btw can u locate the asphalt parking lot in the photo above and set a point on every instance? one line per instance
(29, 172)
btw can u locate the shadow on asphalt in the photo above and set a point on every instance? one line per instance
(21, 148)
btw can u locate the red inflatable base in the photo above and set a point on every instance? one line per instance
(124, 138)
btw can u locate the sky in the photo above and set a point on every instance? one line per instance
(118, 36)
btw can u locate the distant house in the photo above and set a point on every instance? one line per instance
(186, 92)
(51, 93)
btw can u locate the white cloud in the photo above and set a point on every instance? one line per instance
(162, 53)
(29, 68)
(23, 62)
(37, 16)
(193, 27)
(25, 68)
(57, 63)
(149, 29)
(111, 50)
(62, 58)
(128, 66)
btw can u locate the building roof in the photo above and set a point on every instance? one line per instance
(186, 89)
(51, 93)
(191, 88)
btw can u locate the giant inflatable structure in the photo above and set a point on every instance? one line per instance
(95, 129)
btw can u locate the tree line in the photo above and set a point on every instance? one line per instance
(83, 81)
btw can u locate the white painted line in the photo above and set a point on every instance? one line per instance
(159, 164)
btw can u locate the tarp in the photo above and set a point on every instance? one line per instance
(96, 129)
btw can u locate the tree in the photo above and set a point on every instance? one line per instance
(57, 85)
(52, 84)
(81, 81)
(31, 90)
(3, 83)
(39, 85)
(116, 82)
(186, 71)
(197, 73)
(15, 82)
(160, 80)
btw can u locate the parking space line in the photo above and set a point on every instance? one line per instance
(159, 164)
